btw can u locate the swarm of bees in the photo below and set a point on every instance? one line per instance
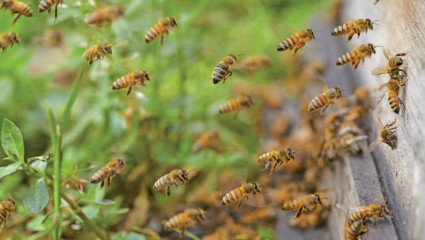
(340, 132)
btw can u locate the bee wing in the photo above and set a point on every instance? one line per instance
(380, 70)
(386, 54)
(382, 86)
(374, 144)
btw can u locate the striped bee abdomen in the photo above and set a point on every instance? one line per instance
(288, 43)
(220, 71)
(232, 196)
(230, 106)
(347, 57)
(162, 182)
(393, 101)
(99, 175)
(45, 5)
(153, 33)
(317, 102)
(122, 82)
(342, 29)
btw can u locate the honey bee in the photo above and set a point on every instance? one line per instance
(110, 170)
(236, 105)
(306, 204)
(105, 15)
(8, 39)
(393, 87)
(222, 70)
(369, 212)
(16, 7)
(46, 5)
(6, 207)
(97, 52)
(254, 63)
(328, 97)
(298, 40)
(185, 219)
(274, 159)
(354, 229)
(351, 28)
(137, 77)
(160, 28)
(207, 140)
(173, 178)
(393, 67)
(238, 195)
(355, 56)
(350, 137)
(386, 134)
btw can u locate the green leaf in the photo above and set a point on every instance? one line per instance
(37, 196)
(266, 233)
(191, 235)
(12, 141)
(9, 169)
(39, 166)
(71, 100)
(99, 202)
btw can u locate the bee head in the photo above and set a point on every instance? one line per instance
(173, 21)
(256, 187)
(369, 23)
(146, 75)
(12, 201)
(290, 153)
(311, 33)
(371, 47)
(399, 61)
(317, 198)
(121, 162)
(384, 210)
(338, 92)
(201, 214)
(108, 48)
(15, 37)
(184, 175)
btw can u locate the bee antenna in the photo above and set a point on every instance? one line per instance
(240, 54)
(317, 31)
(191, 170)
(379, 46)
(115, 43)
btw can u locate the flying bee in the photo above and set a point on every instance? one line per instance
(298, 40)
(351, 28)
(328, 97)
(238, 195)
(97, 52)
(110, 170)
(274, 159)
(355, 56)
(386, 134)
(306, 204)
(354, 229)
(369, 212)
(207, 140)
(137, 77)
(6, 207)
(8, 39)
(254, 63)
(393, 87)
(185, 219)
(393, 67)
(173, 178)
(105, 15)
(46, 5)
(236, 105)
(222, 71)
(16, 7)
(161, 28)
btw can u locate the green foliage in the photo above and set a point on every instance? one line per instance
(12, 141)
(266, 233)
(9, 169)
(37, 196)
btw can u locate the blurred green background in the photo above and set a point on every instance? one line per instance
(177, 105)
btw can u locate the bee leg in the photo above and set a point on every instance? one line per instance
(383, 95)
(168, 191)
(16, 19)
(299, 46)
(350, 35)
(109, 182)
(402, 103)
(162, 40)
(326, 106)
(227, 75)
(235, 116)
(56, 11)
(129, 90)
(300, 210)
(182, 233)
(240, 202)
(356, 63)
(101, 185)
